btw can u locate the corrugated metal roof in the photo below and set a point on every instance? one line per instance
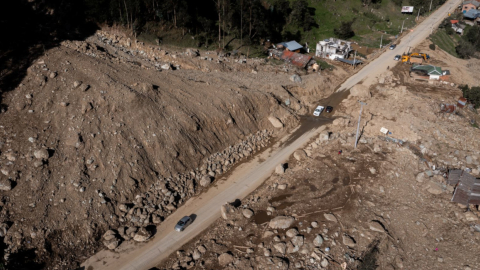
(472, 14)
(349, 61)
(297, 59)
(291, 45)
(468, 189)
(454, 177)
(473, 2)
(431, 70)
(462, 102)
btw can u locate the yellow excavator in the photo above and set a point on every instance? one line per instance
(417, 58)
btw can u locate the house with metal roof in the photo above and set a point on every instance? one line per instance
(472, 16)
(292, 46)
(433, 72)
(469, 5)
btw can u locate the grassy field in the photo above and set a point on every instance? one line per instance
(445, 42)
(369, 22)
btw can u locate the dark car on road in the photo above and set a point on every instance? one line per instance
(329, 109)
(393, 46)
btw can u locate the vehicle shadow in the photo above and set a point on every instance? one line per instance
(193, 217)
(29, 29)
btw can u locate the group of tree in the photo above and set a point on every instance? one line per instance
(469, 43)
(247, 20)
(471, 94)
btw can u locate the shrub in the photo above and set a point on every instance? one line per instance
(345, 30)
(432, 47)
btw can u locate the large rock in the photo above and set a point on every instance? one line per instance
(348, 241)
(225, 258)
(280, 247)
(196, 255)
(295, 78)
(225, 210)
(376, 226)
(109, 235)
(434, 188)
(5, 184)
(292, 232)
(330, 217)
(280, 169)
(275, 122)
(324, 136)
(281, 222)
(360, 90)
(112, 243)
(41, 154)
(3, 229)
(318, 241)
(299, 155)
(206, 180)
(248, 213)
(142, 235)
(298, 240)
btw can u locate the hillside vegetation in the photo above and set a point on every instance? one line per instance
(232, 24)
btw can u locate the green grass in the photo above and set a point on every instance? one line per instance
(445, 42)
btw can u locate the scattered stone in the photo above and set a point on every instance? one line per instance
(330, 217)
(76, 84)
(206, 180)
(295, 78)
(421, 177)
(248, 213)
(376, 226)
(434, 188)
(469, 216)
(324, 263)
(298, 240)
(225, 210)
(3, 229)
(372, 170)
(225, 258)
(324, 136)
(281, 222)
(314, 224)
(318, 241)
(5, 184)
(282, 186)
(292, 232)
(275, 122)
(280, 247)
(41, 154)
(280, 169)
(348, 241)
(299, 155)
(196, 255)
(267, 234)
(142, 235)
(112, 243)
(202, 249)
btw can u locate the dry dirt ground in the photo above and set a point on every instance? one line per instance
(109, 133)
(374, 207)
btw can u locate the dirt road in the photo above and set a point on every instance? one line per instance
(243, 180)
(369, 73)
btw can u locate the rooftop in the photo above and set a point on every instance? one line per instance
(473, 2)
(291, 45)
(431, 70)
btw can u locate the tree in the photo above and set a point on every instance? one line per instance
(465, 49)
(345, 30)
(471, 94)
(302, 15)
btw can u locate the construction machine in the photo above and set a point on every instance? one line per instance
(416, 58)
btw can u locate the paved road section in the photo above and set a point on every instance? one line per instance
(369, 72)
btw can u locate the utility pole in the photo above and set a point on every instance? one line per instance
(401, 31)
(359, 119)
(430, 5)
(419, 12)
(355, 57)
(381, 39)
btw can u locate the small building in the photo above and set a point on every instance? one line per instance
(292, 46)
(472, 16)
(429, 72)
(468, 5)
(333, 48)
(458, 28)
(297, 59)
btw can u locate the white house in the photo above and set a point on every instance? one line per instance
(333, 48)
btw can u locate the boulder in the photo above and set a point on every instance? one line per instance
(280, 247)
(280, 169)
(206, 180)
(434, 188)
(330, 217)
(41, 154)
(295, 78)
(142, 235)
(112, 243)
(281, 222)
(348, 241)
(314, 224)
(292, 248)
(5, 184)
(299, 155)
(421, 177)
(318, 241)
(324, 136)
(267, 234)
(297, 240)
(376, 226)
(360, 90)
(282, 186)
(248, 213)
(275, 122)
(109, 235)
(292, 232)
(225, 258)
(3, 229)
(196, 255)
(469, 216)
(225, 211)
(202, 249)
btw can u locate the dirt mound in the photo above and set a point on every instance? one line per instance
(100, 123)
